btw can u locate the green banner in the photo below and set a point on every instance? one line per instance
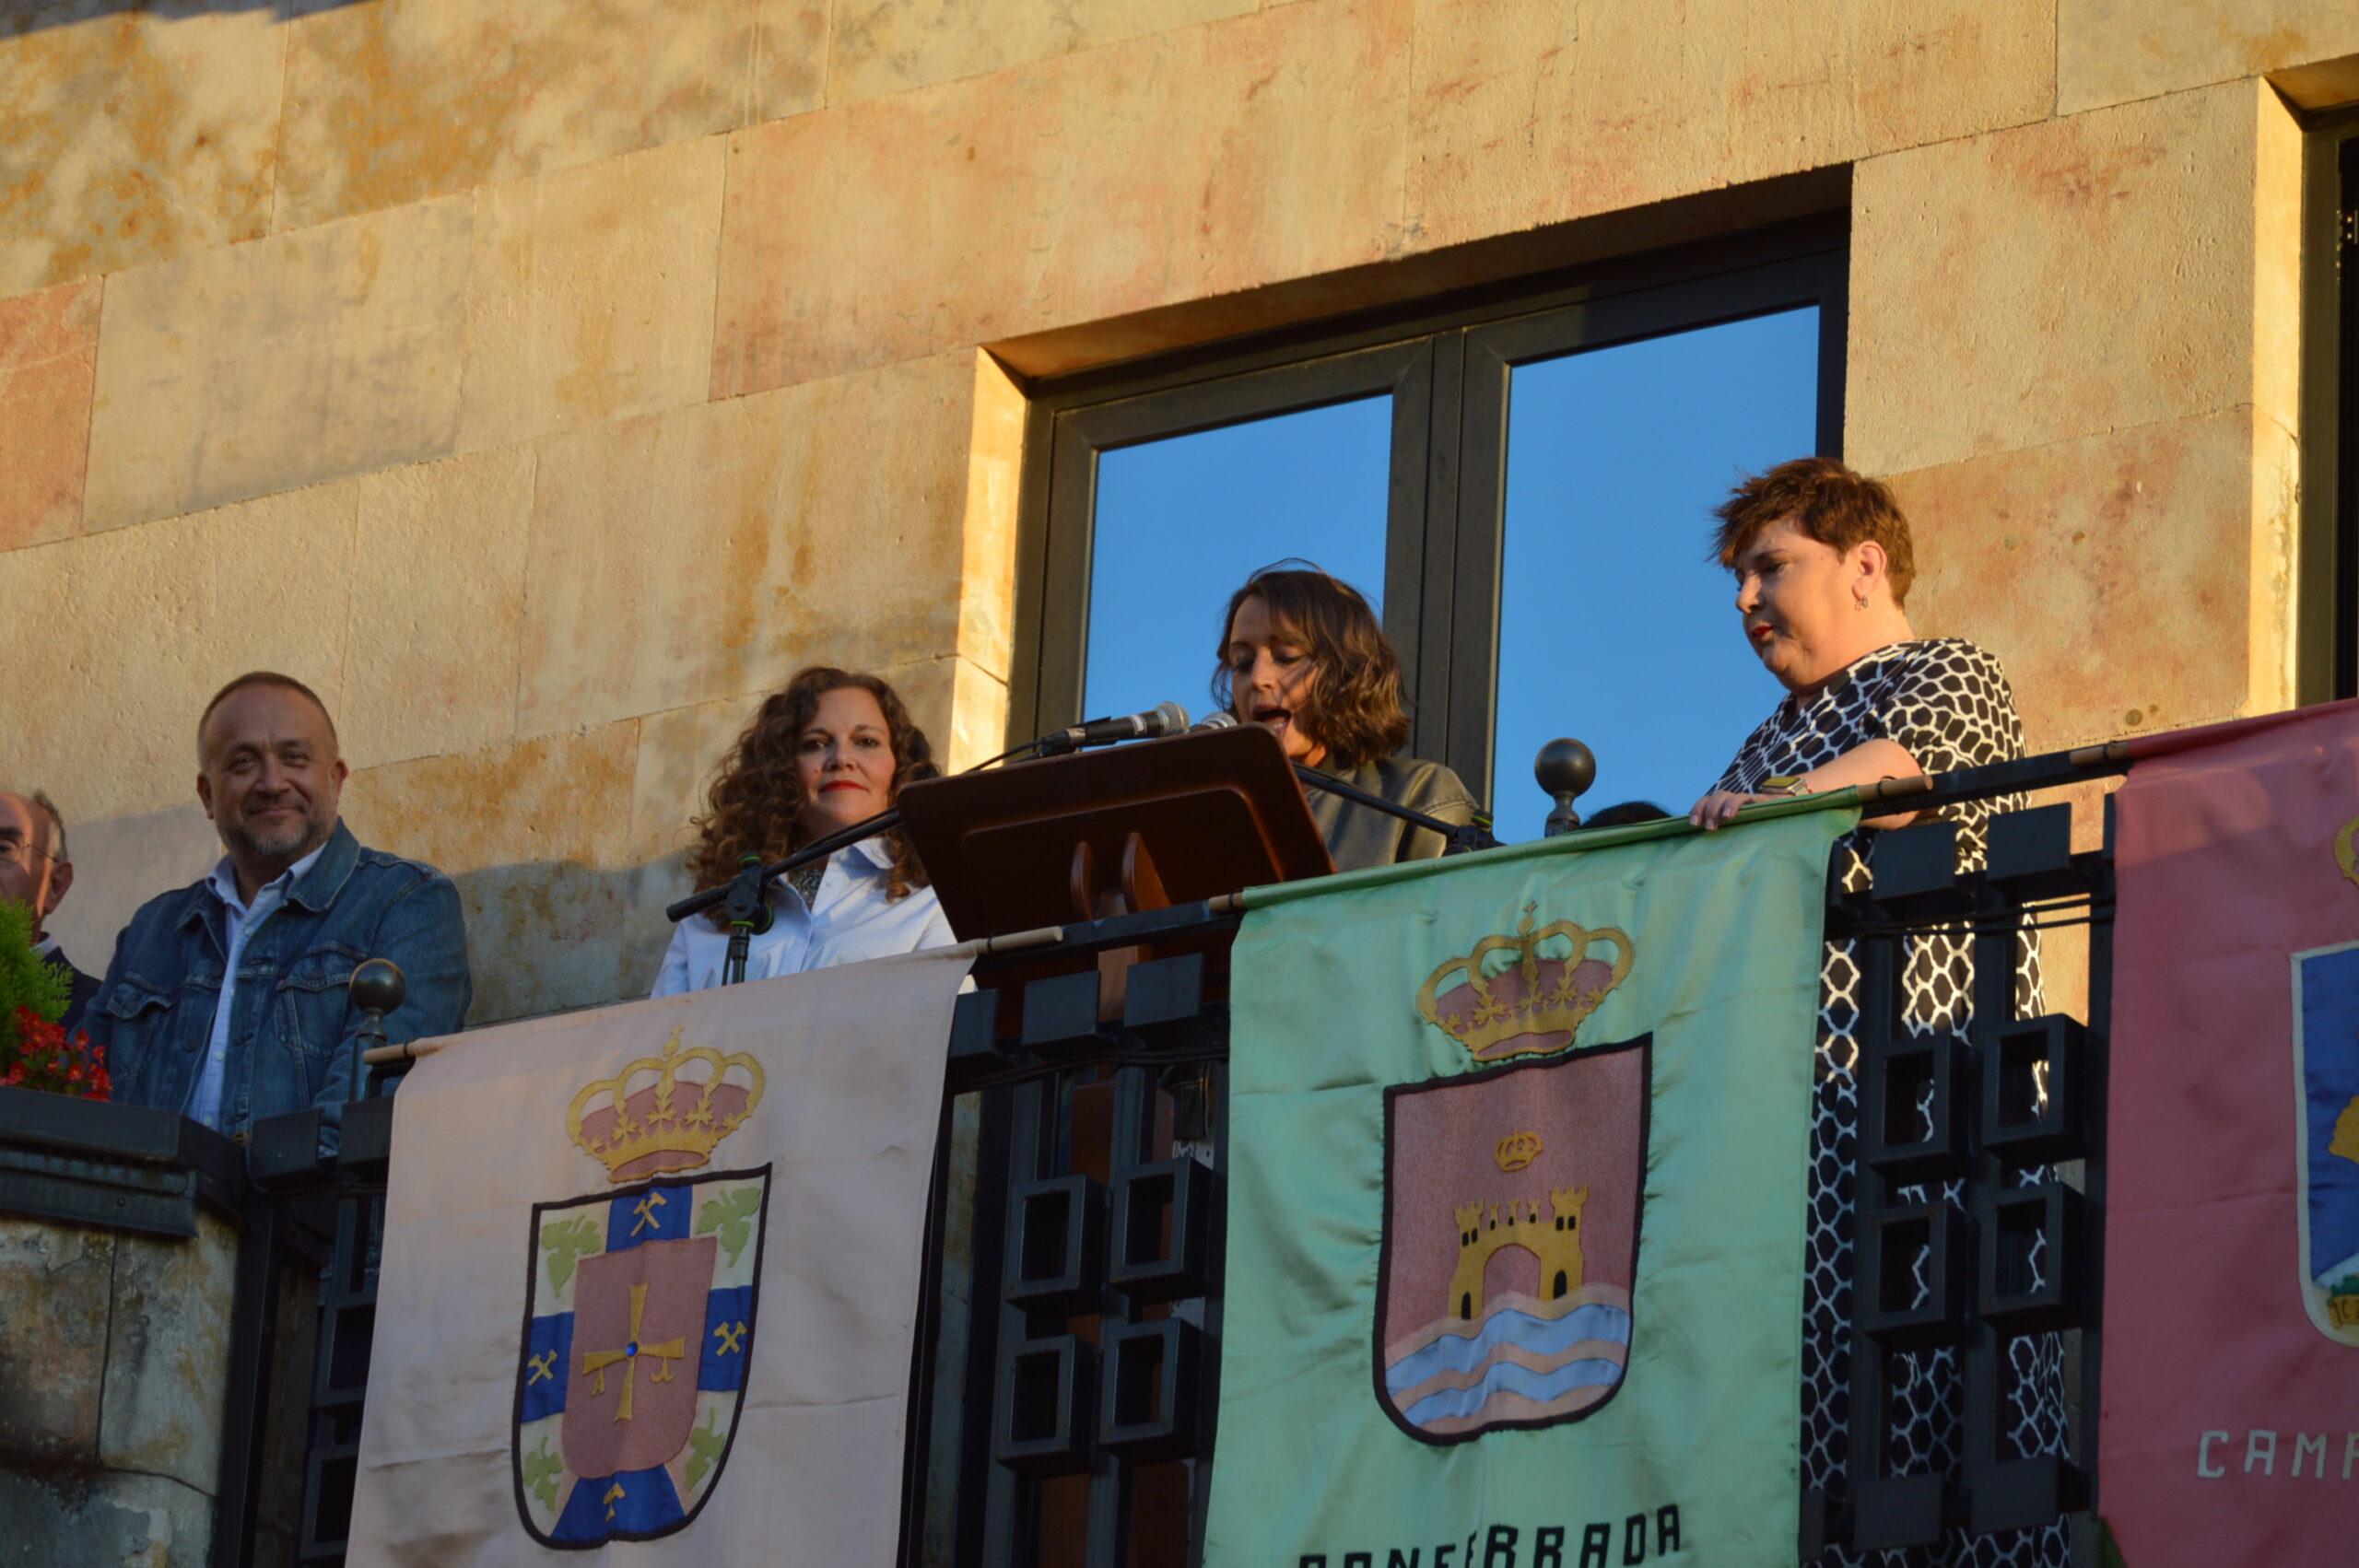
(1516, 1204)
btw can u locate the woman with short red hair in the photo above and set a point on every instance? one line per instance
(1824, 560)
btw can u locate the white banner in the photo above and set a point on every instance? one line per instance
(650, 1276)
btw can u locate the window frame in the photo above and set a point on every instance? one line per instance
(1447, 362)
(2327, 602)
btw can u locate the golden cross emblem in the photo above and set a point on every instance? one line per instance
(731, 1338)
(542, 1366)
(595, 1362)
(644, 1212)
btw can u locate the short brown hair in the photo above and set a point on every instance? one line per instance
(755, 806)
(1828, 502)
(266, 678)
(1357, 711)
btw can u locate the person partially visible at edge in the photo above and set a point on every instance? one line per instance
(35, 873)
(828, 751)
(227, 1001)
(1301, 655)
(1823, 561)
(1626, 813)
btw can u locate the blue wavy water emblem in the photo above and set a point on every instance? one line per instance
(1540, 1336)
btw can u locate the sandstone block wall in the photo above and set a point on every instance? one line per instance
(118, 1347)
(114, 1362)
(543, 382)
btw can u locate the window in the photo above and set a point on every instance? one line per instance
(1519, 480)
(2327, 614)
(1182, 520)
(1612, 624)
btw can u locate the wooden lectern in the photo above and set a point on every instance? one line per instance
(1135, 828)
(1129, 829)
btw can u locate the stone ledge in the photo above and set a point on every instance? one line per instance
(114, 1167)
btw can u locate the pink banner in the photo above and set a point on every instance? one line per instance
(2230, 1428)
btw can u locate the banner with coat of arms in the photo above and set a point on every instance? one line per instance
(1517, 1198)
(2229, 1431)
(649, 1275)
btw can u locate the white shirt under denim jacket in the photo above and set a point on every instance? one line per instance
(850, 920)
(204, 1104)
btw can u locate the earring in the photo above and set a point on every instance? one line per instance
(1858, 603)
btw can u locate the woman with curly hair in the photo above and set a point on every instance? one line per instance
(1301, 654)
(828, 751)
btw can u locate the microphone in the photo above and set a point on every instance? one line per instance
(1164, 718)
(1219, 719)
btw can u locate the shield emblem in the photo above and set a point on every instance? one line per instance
(638, 1329)
(1512, 1208)
(2326, 1077)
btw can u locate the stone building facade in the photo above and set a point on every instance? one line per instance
(543, 381)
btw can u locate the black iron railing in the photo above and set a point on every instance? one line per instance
(2015, 1113)
(341, 1197)
(1085, 1343)
(1067, 1357)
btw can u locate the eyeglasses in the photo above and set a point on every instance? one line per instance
(13, 853)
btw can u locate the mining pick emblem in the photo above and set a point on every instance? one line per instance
(640, 1314)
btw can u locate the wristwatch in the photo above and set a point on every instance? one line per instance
(1783, 784)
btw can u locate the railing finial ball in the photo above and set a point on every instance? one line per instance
(1565, 768)
(379, 986)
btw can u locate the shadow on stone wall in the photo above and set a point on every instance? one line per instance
(543, 936)
(553, 936)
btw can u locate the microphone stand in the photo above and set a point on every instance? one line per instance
(1457, 838)
(746, 894)
(750, 915)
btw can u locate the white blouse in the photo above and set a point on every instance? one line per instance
(850, 920)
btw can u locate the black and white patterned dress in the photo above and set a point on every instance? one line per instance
(1946, 703)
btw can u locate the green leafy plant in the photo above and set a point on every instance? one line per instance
(25, 980)
(35, 1051)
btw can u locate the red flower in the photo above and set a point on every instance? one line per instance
(45, 1057)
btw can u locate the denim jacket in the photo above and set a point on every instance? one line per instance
(291, 1023)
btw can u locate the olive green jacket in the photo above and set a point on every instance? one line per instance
(1359, 837)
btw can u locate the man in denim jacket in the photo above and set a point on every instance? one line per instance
(227, 1001)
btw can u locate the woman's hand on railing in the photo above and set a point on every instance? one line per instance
(1867, 762)
(1715, 810)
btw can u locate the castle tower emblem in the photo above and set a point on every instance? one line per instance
(1512, 1208)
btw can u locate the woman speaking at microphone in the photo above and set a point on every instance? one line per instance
(1301, 655)
(828, 751)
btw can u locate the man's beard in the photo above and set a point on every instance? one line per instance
(284, 846)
